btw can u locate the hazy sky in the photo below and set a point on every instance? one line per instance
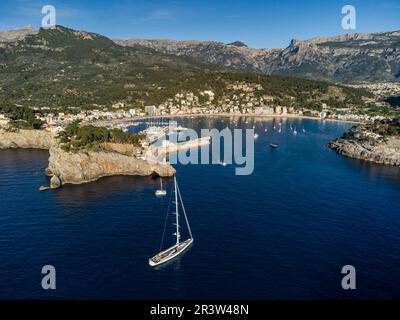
(261, 24)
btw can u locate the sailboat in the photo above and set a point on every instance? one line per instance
(161, 192)
(180, 246)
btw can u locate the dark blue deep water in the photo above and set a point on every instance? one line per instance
(283, 232)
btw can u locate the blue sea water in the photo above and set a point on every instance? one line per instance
(284, 232)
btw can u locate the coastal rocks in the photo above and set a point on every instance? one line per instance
(26, 139)
(387, 153)
(55, 182)
(48, 172)
(83, 167)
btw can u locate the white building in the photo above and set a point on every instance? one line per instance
(209, 93)
(264, 110)
(118, 105)
(152, 110)
(3, 120)
(56, 129)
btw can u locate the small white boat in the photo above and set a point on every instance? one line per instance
(294, 131)
(161, 192)
(256, 136)
(179, 247)
(223, 163)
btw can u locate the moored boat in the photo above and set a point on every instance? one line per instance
(180, 246)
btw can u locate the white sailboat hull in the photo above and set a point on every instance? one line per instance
(170, 253)
(161, 193)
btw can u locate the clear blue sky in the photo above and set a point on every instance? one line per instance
(260, 24)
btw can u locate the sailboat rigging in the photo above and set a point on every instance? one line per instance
(180, 246)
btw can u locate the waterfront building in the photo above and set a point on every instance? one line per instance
(152, 110)
(264, 110)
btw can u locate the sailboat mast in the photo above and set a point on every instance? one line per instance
(184, 212)
(177, 213)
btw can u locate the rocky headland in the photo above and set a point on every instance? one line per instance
(83, 166)
(378, 143)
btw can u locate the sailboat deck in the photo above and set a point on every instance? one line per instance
(170, 253)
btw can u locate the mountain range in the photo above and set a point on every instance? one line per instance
(63, 68)
(350, 58)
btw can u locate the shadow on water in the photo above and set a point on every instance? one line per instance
(106, 187)
(375, 171)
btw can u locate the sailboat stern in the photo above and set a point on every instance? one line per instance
(170, 253)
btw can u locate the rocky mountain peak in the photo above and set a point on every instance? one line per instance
(238, 44)
(347, 58)
(16, 34)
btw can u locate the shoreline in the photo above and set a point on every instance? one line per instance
(382, 154)
(177, 116)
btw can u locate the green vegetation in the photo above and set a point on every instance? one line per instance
(69, 71)
(388, 111)
(386, 128)
(21, 117)
(75, 137)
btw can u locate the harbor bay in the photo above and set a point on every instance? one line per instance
(283, 232)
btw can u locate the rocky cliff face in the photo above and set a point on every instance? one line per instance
(348, 58)
(383, 153)
(83, 167)
(15, 35)
(26, 139)
(233, 56)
